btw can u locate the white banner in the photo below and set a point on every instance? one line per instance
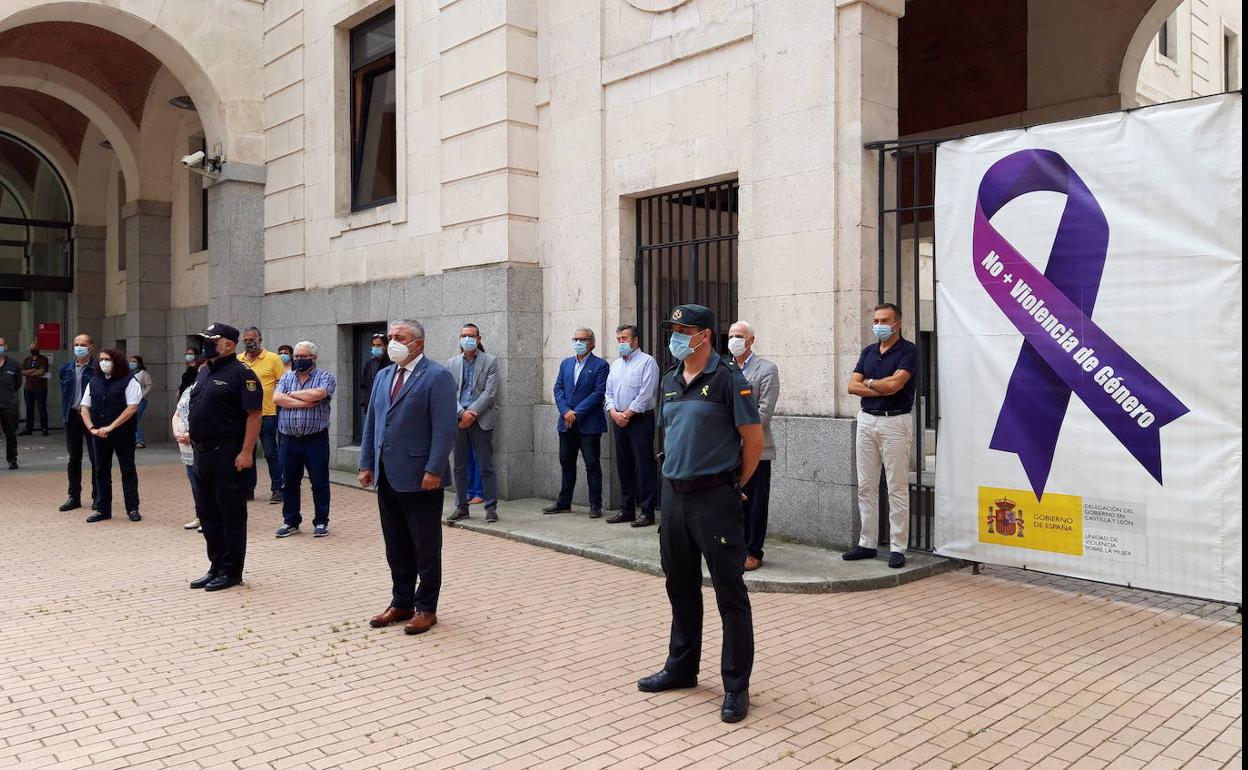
(1089, 297)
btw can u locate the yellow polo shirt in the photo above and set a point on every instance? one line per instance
(269, 368)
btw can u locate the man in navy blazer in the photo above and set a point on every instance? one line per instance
(579, 391)
(409, 432)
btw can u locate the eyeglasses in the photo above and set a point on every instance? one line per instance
(581, 339)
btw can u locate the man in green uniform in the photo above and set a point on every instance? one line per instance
(712, 441)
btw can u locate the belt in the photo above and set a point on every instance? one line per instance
(318, 434)
(886, 412)
(699, 483)
(212, 446)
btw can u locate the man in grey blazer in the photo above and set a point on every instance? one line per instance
(764, 377)
(409, 430)
(476, 388)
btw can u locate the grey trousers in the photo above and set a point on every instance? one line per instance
(483, 445)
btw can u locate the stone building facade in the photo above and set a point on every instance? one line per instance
(488, 161)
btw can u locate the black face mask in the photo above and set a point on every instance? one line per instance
(304, 364)
(210, 349)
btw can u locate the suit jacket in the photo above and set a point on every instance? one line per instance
(764, 377)
(584, 396)
(484, 387)
(414, 435)
(66, 376)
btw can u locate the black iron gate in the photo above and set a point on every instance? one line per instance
(907, 277)
(686, 252)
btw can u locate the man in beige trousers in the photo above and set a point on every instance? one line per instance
(884, 378)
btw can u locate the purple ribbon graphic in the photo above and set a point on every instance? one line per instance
(1063, 351)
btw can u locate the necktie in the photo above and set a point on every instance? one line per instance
(398, 384)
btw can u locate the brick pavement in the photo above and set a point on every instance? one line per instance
(107, 660)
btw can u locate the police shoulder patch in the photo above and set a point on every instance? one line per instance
(251, 385)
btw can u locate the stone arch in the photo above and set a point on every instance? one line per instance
(85, 97)
(170, 34)
(1129, 72)
(51, 149)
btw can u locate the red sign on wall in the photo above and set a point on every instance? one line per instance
(48, 336)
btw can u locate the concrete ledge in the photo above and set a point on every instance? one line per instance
(787, 568)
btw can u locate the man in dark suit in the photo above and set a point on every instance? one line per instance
(579, 391)
(74, 377)
(409, 431)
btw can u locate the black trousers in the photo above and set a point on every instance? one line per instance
(634, 455)
(222, 505)
(75, 437)
(411, 524)
(121, 444)
(707, 524)
(757, 496)
(589, 446)
(36, 402)
(8, 426)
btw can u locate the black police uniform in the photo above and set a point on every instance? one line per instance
(225, 391)
(702, 516)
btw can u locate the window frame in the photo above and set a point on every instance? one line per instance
(362, 76)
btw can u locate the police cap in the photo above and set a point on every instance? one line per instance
(218, 330)
(697, 316)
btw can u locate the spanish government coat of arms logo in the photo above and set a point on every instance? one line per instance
(1004, 520)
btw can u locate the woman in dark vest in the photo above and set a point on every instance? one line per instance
(108, 408)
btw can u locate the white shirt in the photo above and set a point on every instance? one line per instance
(632, 383)
(134, 394)
(578, 368)
(409, 367)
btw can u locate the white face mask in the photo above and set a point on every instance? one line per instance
(106, 367)
(398, 351)
(736, 346)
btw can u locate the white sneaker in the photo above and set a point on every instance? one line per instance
(191, 524)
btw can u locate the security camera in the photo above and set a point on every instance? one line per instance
(193, 160)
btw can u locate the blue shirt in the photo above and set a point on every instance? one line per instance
(873, 365)
(312, 419)
(632, 382)
(465, 386)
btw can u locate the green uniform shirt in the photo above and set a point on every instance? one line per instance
(700, 419)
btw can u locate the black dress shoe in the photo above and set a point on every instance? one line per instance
(595, 513)
(70, 504)
(134, 516)
(621, 517)
(556, 508)
(736, 706)
(97, 516)
(222, 582)
(203, 581)
(896, 560)
(643, 521)
(665, 680)
(12, 465)
(95, 505)
(459, 515)
(491, 517)
(857, 553)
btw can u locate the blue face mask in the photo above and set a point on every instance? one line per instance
(679, 346)
(81, 351)
(580, 347)
(467, 343)
(285, 358)
(376, 352)
(134, 366)
(625, 350)
(2, 350)
(882, 331)
(190, 357)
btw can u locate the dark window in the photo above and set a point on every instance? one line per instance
(686, 252)
(1230, 62)
(1167, 38)
(121, 222)
(373, 143)
(203, 202)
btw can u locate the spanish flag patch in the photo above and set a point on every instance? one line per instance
(747, 392)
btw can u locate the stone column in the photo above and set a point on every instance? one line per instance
(88, 312)
(147, 300)
(236, 246)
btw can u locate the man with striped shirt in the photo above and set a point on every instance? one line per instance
(303, 396)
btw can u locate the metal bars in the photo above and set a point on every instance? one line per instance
(906, 176)
(686, 252)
